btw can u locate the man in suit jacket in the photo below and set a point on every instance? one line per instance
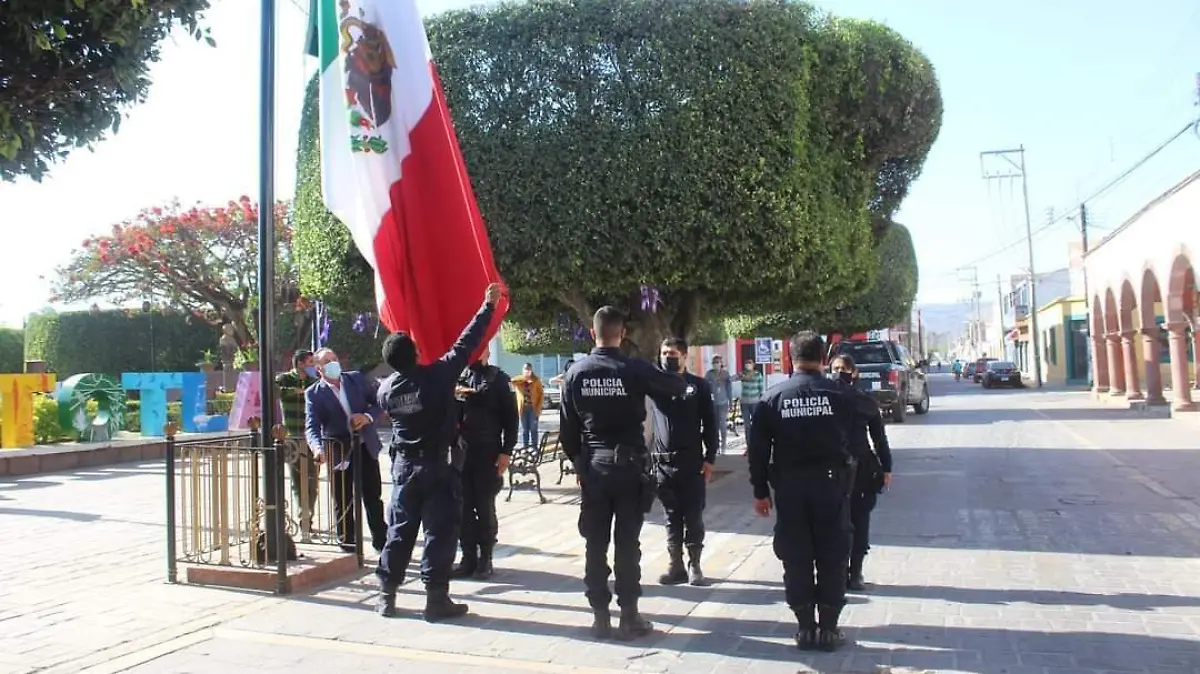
(339, 403)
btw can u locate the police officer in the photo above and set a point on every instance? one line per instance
(427, 488)
(872, 474)
(799, 451)
(604, 408)
(682, 467)
(487, 434)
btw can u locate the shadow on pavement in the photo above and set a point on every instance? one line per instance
(16, 483)
(983, 651)
(973, 417)
(1126, 601)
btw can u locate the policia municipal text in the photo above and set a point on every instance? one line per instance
(603, 410)
(799, 455)
(427, 481)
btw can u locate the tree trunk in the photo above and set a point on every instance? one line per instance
(241, 328)
(678, 316)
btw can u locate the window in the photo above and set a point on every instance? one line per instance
(1052, 346)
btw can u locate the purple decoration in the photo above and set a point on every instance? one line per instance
(531, 334)
(650, 299)
(326, 324)
(361, 322)
(580, 334)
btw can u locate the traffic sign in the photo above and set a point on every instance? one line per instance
(763, 354)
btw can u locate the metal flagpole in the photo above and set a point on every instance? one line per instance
(266, 275)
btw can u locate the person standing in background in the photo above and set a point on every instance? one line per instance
(530, 396)
(721, 385)
(305, 476)
(753, 386)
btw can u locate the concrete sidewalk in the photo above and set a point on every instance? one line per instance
(1026, 533)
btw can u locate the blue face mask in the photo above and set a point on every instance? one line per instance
(332, 369)
(311, 371)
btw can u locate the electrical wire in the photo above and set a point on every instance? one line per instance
(1070, 213)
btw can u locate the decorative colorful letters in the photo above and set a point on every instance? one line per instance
(152, 388)
(247, 401)
(16, 406)
(73, 396)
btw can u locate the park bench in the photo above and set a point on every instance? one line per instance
(523, 468)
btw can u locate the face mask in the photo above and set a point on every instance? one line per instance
(311, 370)
(846, 377)
(670, 364)
(332, 369)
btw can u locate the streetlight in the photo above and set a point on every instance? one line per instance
(148, 309)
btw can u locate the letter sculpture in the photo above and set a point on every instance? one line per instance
(16, 406)
(73, 396)
(152, 387)
(247, 401)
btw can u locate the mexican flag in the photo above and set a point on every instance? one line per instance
(393, 173)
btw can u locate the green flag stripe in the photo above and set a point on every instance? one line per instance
(323, 31)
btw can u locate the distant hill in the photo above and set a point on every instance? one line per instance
(944, 317)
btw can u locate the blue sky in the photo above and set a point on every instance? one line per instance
(1087, 87)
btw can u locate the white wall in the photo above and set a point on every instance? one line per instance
(1151, 240)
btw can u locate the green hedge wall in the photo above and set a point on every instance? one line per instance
(112, 342)
(12, 351)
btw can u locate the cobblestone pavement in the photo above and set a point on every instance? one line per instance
(1027, 533)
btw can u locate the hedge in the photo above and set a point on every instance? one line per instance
(12, 348)
(113, 342)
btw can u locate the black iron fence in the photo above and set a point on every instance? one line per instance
(249, 502)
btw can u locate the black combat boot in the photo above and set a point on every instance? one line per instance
(601, 623)
(385, 603)
(806, 635)
(467, 566)
(438, 606)
(695, 575)
(676, 574)
(484, 570)
(829, 637)
(854, 579)
(633, 625)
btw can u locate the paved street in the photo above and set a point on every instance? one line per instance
(1027, 533)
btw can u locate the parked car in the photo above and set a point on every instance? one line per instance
(889, 374)
(551, 397)
(1002, 373)
(980, 367)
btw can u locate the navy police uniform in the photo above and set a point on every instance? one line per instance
(685, 438)
(427, 488)
(799, 449)
(603, 411)
(868, 483)
(487, 430)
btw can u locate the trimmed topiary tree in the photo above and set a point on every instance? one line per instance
(683, 160)
(888, 302)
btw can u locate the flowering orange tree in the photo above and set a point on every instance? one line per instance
(202, 260)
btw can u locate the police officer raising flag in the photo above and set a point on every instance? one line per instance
(799, 454)
(683, 449)
(603, 411)
(427, 489)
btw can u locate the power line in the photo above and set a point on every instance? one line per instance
(1105, 188)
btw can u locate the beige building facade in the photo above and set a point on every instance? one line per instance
(1143, 302)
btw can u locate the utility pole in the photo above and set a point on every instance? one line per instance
(1000, 308)
(1087, 296)
(1016, 169)
(1083, 226)
(970, 276)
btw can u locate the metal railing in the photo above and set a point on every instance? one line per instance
(242, 502)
